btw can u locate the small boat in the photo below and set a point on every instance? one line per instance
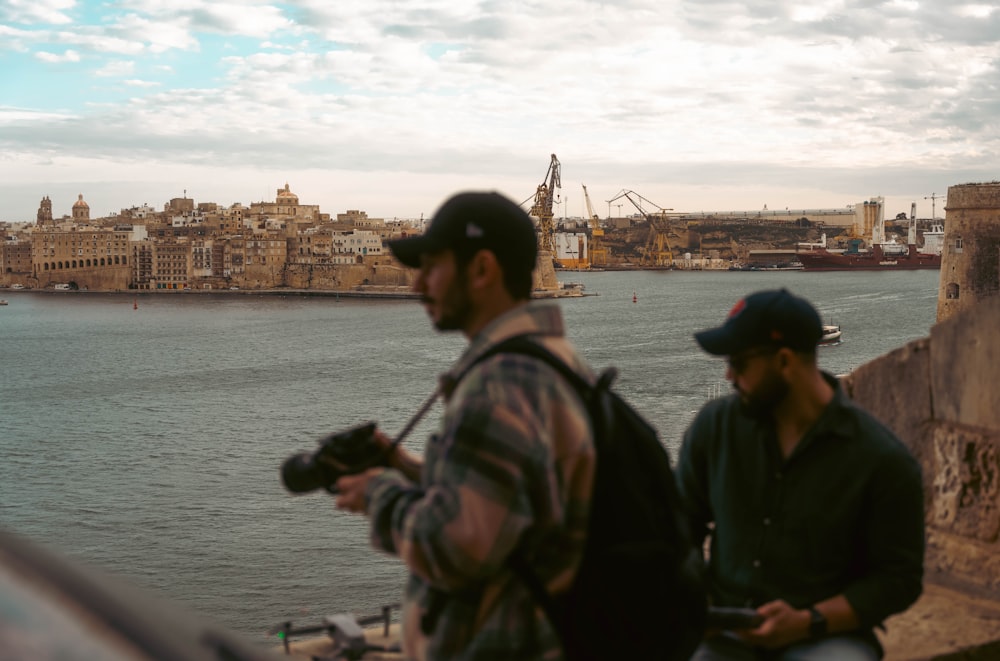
(3, 301)
(831, 334)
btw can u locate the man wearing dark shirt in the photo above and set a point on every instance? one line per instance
(814, 508)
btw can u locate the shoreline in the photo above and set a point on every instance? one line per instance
(375, 292)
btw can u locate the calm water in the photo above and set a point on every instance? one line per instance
(147, 441)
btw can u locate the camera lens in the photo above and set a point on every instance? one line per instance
(301, 474)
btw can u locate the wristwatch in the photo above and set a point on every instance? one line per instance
(817, 623)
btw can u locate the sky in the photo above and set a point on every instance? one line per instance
(390, 106)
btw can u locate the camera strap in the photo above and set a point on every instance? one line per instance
(417, 417)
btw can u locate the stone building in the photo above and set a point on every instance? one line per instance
(179, 206)
(81, 211)
(171, 264)
(15, 261)
(352, 246)
(92, 257)
(970, 259)
(312, 246)
(142, 264)
(285, 206)
(202, 259)
(44, 216)
(266, 255)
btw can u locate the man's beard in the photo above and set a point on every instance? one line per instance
(455, 307)
(760, 403)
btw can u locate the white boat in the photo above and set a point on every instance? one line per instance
(3, 301)
(933, 240)
(831, 334)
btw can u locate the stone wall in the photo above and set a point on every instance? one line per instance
(388, 274)
(96, 278)
(345, 276)
(940, 396)
(970, 257)
(545, 273)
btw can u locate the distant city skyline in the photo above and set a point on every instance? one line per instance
(391, 107)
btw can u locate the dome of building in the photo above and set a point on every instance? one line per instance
(80, 204)
(286, 195)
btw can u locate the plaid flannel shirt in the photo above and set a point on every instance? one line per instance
(512, 466)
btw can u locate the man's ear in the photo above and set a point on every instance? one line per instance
(786, 358)
(484, 270)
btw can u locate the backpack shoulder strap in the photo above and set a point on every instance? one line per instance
(523, 344)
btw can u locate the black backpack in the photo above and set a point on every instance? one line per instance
(640, 591)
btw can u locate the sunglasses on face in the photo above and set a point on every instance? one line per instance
(738, 362)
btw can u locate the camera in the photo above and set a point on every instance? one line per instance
(342, 453)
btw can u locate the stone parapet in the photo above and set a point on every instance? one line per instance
(939, 395)
(974, 196)
(965, 353)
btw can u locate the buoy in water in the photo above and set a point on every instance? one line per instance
(135, 304)
(634, 299)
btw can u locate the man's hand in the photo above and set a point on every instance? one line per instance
(783, 625)
(351, 490)
(399, 458)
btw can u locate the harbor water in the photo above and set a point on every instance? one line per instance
(143, 435)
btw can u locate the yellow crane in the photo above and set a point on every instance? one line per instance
(598, 253)
(542, 208)
(657, 251)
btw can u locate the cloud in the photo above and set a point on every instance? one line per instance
(641, 92)
(10, 116)
(36, 11)
(53, 58)
(240, 18)
(116, 69)
(138, 33)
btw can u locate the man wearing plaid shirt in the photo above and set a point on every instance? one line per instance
(512, 466)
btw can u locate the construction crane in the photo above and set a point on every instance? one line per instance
(598, 253)
(657, 252)
(542, 208)
(933, 197)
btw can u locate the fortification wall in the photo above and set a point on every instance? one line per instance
(970, 259)
(97, 278)
(939, 395)
(344, 276)
(387, 274)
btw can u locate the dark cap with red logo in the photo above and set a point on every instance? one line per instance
(765, 318)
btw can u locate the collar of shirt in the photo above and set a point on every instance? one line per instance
(533, 318)
(831, 422)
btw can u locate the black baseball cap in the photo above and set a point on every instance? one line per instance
(472, 221)
(773, 317)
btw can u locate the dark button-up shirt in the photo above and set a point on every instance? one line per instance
(842, 515)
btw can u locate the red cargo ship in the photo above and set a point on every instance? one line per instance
(876, 259)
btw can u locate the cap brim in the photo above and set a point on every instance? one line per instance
(408, 250)
(719, 341)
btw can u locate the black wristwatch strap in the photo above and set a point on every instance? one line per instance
(817, 623)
